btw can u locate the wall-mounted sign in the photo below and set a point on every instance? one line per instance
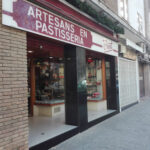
(29, 17)
(130, 54)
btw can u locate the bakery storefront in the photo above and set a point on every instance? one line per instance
(72, 76)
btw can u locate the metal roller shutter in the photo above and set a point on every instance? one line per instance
(127, 82)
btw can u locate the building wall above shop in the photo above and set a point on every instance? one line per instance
(137, 15)
(131, 11)
(134, 20)
(112, 5)
(147, 18)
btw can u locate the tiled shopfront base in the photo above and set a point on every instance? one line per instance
(44, 128)
(92, 115)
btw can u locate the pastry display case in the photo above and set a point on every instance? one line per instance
(94, 79)
(49, 80)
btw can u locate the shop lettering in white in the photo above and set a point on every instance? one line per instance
(83, 33)
(48, 24)
(38, 14)
(56, 21)
(45, 15)
(38, 25)
(51, 19)
(31, 12)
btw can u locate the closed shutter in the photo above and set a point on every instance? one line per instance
(127, 82)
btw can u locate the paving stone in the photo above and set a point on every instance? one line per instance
(129, 130)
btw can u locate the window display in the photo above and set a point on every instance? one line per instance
(49, 79)
(94, 79)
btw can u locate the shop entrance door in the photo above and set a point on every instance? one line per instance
(108, 81)
(141, 79)
(111, 84)
(46, 92)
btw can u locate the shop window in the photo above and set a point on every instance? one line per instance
(94, 79)
(49, 79)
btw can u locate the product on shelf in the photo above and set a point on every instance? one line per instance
(94, 78)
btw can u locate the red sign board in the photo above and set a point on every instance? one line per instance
(32, 18)
(27, 16)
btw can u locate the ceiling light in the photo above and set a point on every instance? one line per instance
(41, 46)
(60, 58)
(30, 51)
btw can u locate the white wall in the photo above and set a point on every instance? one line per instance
(134, 7)
(147, 18)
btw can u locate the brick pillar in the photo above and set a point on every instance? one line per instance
(13, 89)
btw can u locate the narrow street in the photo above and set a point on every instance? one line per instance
(129, 130)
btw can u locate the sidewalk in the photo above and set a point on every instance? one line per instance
(129, 130)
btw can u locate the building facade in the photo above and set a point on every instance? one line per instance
(61, 71)
(135, 16)
(132, 45)
(144, 60)
(58, 73)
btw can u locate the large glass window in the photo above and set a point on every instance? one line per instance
(94, 79)
(49, 79)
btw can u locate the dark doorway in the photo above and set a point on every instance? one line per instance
(111, 83)
(46, 91)
(141, 79)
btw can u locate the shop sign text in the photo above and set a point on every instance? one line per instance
(30, 17)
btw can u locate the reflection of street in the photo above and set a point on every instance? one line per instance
(82, 86)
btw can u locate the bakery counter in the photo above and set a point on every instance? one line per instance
(49, 107)
(96, 104)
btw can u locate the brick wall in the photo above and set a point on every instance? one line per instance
(13, 89)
